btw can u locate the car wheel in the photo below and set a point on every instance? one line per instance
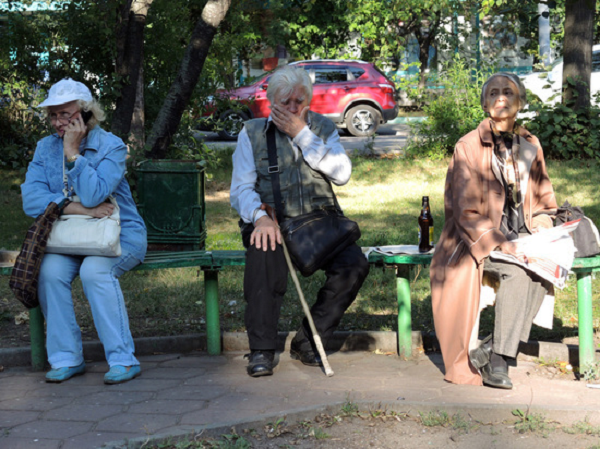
(363, 121)
(231, 122)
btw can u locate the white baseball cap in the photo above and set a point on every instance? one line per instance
(65, 91)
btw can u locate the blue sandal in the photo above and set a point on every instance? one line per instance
(119, 374)
(57, 375)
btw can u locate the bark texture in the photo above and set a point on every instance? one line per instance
(182, 88)
(577, 47)
(130, 46)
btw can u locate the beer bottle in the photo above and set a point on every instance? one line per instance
(425, 227)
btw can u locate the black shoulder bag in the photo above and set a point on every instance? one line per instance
(315, 238)
(585, 237)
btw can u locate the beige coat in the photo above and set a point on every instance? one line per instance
(474, 203)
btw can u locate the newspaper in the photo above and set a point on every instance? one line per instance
(548, 253)
(395, 250)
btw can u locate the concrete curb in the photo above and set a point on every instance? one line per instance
(385, 341)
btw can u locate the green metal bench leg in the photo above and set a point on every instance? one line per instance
(38, 339)
(586, 330)
(404, 318)
(213, 327)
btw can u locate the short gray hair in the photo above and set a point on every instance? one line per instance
(511, 77)
(286, 79)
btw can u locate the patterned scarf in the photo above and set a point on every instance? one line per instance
(24, 278)
(506, 149)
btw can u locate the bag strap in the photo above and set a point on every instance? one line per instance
(274, 171)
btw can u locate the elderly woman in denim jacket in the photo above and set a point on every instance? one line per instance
(95, 169)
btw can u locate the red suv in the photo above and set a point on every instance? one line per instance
(355, 95)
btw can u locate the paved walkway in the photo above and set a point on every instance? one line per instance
(185, 393)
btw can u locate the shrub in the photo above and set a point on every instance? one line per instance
(565, 133)
(20, 125)
(452, 113)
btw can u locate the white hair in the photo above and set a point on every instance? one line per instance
(511, 77)
(285, 80)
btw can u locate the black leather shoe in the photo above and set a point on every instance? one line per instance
(306, 356)
(260, 363)
(480, 356)
(495, 377)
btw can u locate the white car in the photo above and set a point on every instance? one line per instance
(547, 85)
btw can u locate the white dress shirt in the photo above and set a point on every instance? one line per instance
(329, 158)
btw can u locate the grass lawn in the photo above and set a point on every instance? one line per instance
(384, 196)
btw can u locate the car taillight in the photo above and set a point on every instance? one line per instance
(387, 89)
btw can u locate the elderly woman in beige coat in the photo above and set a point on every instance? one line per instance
(497, 188)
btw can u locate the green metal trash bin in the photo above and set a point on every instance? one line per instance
(171, 201)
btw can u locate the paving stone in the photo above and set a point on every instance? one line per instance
(40, 404)
(222, 378)
(53, 430)
(115, 398)
(137, 422)
(199, 393)
(195, 361)
(169, 407)
(143, 384)
(88, 412)
(64, 390)
(11, 442)
(208, 417)
(11, 394)
(160, 358)
(167, 372)
(96, 439)
(20, 382)
(11, 418)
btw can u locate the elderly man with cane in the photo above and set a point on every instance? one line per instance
(309, 157)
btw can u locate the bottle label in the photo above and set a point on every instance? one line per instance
(431, 236)
(419, 238)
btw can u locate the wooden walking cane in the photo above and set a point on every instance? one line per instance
(311, 323)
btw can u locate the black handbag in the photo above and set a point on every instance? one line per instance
(585, 237)
(315, 238)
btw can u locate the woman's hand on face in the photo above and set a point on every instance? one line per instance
(265, 230)
(75, 131)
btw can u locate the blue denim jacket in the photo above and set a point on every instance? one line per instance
(96, 175)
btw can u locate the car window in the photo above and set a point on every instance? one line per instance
(356, 72)
(596, 61)
(325, 75)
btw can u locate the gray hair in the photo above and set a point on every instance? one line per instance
(511, 77)
(285, 80)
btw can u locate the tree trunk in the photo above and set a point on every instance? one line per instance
(181, 90)
(137, 137)
(130, 45)
(577, 47)
(424, 44)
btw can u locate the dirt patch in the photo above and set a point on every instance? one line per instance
(381, 429)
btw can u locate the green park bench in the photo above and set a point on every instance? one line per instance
(212, 262)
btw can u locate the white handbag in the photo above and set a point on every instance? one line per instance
(84, 235)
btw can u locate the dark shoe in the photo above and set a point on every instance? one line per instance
(305, 354)
(260, 363)
(480, 356)
(495, 377)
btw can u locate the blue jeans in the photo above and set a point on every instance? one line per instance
(99, 277)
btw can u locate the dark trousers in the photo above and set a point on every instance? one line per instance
(518, 299)
(265, 283)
